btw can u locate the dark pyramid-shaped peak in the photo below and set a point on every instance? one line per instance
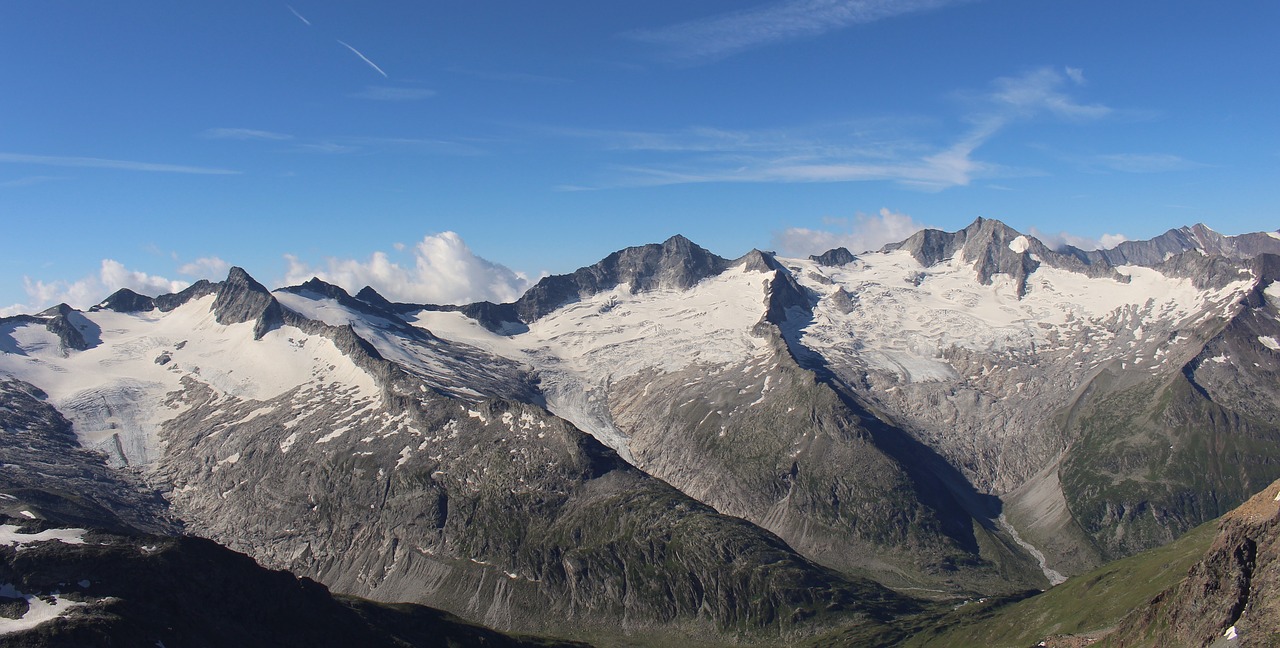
(374, 298)
(320, 287)
(676, 263)
(834, 257)
(758, 261)
(61, 321)
(242, 299)
(61, 310)
(126, 301)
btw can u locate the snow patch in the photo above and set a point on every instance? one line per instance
(1020, 244)
(1269, 342)
(40, 609)
(9, 536)
(1230, 634)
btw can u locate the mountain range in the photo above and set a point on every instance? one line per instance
(665, 447)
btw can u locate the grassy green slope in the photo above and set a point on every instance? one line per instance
(1084, 604)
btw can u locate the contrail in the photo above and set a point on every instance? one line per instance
(295, 12)
(364, 58)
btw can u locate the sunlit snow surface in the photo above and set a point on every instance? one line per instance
(904, 316)
(118, 387)
(582, 347)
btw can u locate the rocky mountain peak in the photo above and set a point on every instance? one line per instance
(242, 299)
(126, 301)
(677, 263)
(759, 261)
(1199, 237)
(993, 247)
(60, 322)
(834, 257)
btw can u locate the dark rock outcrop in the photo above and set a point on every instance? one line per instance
(126, 301)
(1231, 596)
(834, 257)
(676, 263)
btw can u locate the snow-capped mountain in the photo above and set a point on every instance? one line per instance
(670, 441)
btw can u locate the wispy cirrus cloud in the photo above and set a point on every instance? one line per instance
(719, 36)
(244, 134)
(105, 163)
(872, 150)
(1042, 90)
(1145, 162)
(28, 181)
(392, 93)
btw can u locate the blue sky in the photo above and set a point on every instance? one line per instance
(456, 151)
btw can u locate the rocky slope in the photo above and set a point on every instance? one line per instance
(419, 479)
(76, 587)
(1230, 597)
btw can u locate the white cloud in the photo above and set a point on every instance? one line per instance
(1108, 241)
(1061, 239)
(441, 270)
(206, 268)
(91, 289)
(722, 35)
(861, 233)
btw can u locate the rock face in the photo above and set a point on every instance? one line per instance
(46, 473)
(1230, 598)
(242, 299)
(84, 587)
(1176, 241)
(992, 247)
